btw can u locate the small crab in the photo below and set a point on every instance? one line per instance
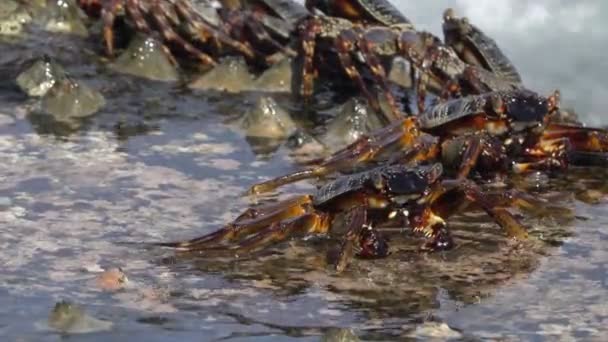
(397, 193)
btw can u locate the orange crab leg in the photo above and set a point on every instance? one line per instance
(251, 222)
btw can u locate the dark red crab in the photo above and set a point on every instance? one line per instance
(413, 197)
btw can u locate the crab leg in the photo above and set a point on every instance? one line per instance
(500, 215)
(581, 138)
(377, 70)
(345, 45)
(360, 239)
(248, 223)
(108, 14)
(315, 223)
(203, 30)
(400, 134)
(473, 147)
(308, 36)
(160, 16)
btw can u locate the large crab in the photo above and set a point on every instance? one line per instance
(201, 30)
(493, 130)
(417, 198)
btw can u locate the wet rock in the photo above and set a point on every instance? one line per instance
(62, 16)
(37, 79)
(207, 11)
(68, 100)
(113, 279)
(13, 17)
(267, 120)
(340, 335)
(276, 79)
(67, 317)
(304, 145)
(354, 119)
(435, 331)
(231, 75)
(400, 73)
(145, 57)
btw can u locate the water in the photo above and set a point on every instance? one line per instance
(160, 163)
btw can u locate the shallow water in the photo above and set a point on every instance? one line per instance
(161, 163)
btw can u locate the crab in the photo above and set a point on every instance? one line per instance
(474, 47)
(199, 30)
(355, 46)
(509, 129)
(415, 197)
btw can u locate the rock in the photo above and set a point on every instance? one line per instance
(339, 335)
(276, 79)
(304, 145)
(354, 119)
(40, 77)
(61, 16)
(13, 17)
(231, 75)
(267, 120)
(435, 331)
(67, 317)
(68, 100)
(113, 279)
(145, 57)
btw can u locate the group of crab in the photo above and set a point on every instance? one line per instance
(424, 165)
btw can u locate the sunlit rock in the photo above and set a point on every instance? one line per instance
(40, 77)
(146, 58)
(62, 16)
(69, 318)
(68, 100)
(13, 17)
(231, 75)
(276, 79)
(267, 120)
(354, 119)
